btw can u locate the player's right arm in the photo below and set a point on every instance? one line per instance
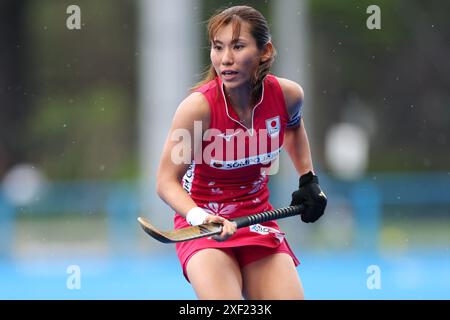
(171, 170)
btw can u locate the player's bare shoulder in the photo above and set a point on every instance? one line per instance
(293, 95)
(193, 108)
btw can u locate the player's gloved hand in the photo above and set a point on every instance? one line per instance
(311, 196)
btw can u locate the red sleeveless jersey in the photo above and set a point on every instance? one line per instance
(230, 178)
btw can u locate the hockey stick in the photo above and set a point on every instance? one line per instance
(210, 229)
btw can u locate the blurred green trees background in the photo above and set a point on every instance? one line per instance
(72, 108)
(68, 99)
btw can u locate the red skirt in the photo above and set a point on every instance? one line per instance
(248, 244)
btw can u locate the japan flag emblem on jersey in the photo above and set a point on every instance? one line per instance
(273, 126)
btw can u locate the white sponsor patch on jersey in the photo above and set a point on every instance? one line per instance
(273, 126)
(245, 162)
(188, 178)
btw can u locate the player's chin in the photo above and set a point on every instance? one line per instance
(234, 83)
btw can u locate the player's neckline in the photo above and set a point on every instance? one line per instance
(237, 120)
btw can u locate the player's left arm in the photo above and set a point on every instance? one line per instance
(295, 138)
(297, 146)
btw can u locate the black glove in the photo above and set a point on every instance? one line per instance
(311, 196)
